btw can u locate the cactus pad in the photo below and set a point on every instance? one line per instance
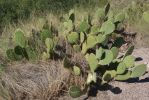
(93, 62)
(75, 91)
(121, 68)
(107, 27)
(76, 70)
(20, 39)
(123, 77)
(138, 70)
(73, 37)
(129, 61)
(107, 59)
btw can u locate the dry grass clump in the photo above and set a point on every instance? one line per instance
(43, 81)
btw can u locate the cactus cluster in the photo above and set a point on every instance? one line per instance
(30, 48)
(99, 43)
(100, 46)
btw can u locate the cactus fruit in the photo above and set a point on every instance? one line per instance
(129, 61)
(107, 59)
(75, 91)
(120, 17)
(92, 77)
(73, 38)
(93, 62)
(121, 68)
(146, 16)
(138, 70)
(107, 27)
(84, 26)
(99, 53)
(123, 77)
(129, 51)
(20, 39)
(76, 70)
(115, 52)
(108, 75)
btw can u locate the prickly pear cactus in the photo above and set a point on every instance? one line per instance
(20, 39)
(75, 91)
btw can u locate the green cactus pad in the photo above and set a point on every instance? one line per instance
(120, 17)
(84, 48)
(45, 33)
(77, 48)
(111, 16)
(129, 61)
(107, 59)
(100, 38)
(84, 26)
(32, 55)
(123, 77)
(75, 91)
(73, 38)
(107, 27)
(146, 16)
(92, 77)
(67, 26)
(108, 75)
(49, 44)
(91, 41)
(94, 30)
(99, 53)
(82, 37)
(76, 70)
(138, 71)
(93, 62)
(20, 39)
(97, 16)
(115, 52)
(121, 68)
(129, 51)
(45, 56)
